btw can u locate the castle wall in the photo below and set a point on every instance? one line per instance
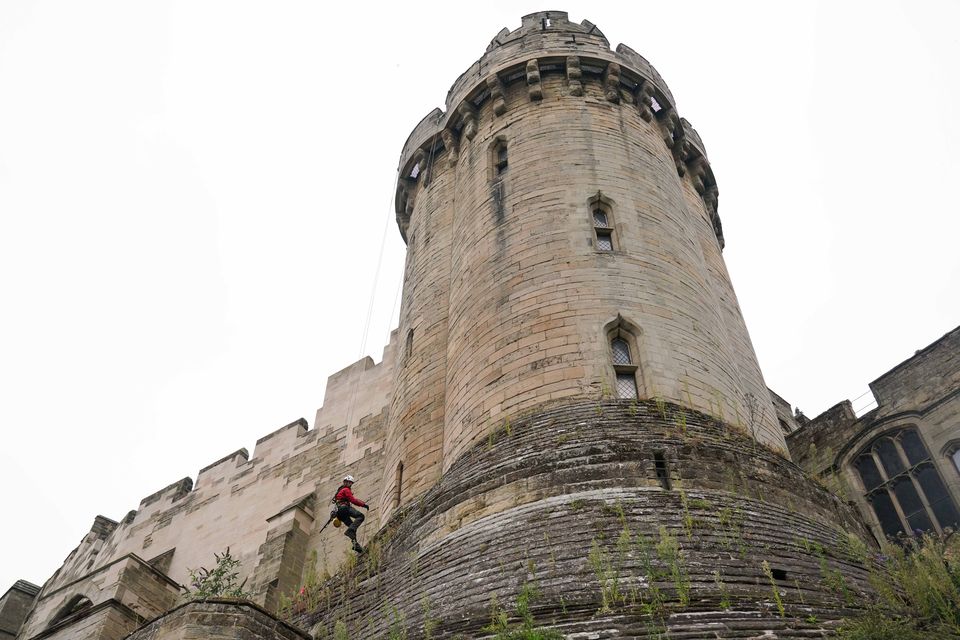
(218, 619)
(267, 508)
(120, 595)
(14, 607)
(570, 502)
(921, 392)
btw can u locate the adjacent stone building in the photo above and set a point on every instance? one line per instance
(570, 413)
(900, 462)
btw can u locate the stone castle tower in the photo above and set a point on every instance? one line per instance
(559, 204)
(577, 408)
(571, 406)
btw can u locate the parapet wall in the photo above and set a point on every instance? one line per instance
(218, 618)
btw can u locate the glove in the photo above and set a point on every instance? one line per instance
(367, 507)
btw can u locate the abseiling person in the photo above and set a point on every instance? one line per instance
(344, 499)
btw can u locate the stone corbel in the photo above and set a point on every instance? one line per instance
(643, 96)
(681, 151)
(469, 115)
(534, 88)
(450, 143)
(574, 74)
(611, 82)
(496, 94)
(670, 126)
(710, 198)
(698, 173)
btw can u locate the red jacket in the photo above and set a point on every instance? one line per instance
(344, 495)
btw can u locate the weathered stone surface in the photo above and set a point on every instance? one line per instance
(15, 604)
(548, 495)
(218, 619)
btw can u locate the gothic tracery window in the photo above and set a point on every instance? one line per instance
(903, 486)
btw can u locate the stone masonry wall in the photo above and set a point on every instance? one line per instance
(922, 392)
(506, 298)
(679, 510)
(14, 607)
(267, 508)
(218, 619)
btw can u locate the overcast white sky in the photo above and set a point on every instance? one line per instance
(193, 196)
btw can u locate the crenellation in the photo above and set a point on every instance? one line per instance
(222, 468)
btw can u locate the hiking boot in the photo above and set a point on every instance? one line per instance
(357, 547)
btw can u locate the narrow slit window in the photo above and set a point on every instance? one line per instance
(501, 159)
(398, 493)
(663, 471)
(408, 350)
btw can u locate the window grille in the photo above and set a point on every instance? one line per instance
(604, 241)
(624, 368)
(603, 229)
(621, 351)
(626, 386)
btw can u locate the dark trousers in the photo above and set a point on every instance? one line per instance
(350, 517)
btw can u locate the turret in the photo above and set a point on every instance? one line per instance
(563, 244)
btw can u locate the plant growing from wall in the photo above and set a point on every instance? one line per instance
(722, 588)
(668, 550)
(309, 595)
(527, 629)
(222, 581)
(608, 576)
(917, 584)
(767, 571)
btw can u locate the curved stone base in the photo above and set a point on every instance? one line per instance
(627, 520)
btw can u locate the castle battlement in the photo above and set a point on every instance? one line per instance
(547, 44)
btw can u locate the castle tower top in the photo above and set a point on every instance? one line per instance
(549, 39)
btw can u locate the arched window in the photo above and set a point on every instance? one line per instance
(73, 606)
(601, 215)
(903, 486)
(623, 355)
